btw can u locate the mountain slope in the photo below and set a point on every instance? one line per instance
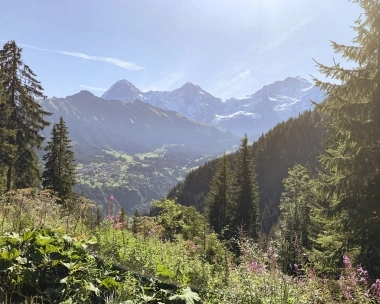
(134, 127)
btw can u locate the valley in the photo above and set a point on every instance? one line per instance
(136, 180)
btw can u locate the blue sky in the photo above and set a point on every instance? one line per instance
(231, 48)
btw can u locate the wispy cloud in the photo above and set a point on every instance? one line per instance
(166, 82)
(92, 88)
(277, 42)
(229, 86)
(115, 61)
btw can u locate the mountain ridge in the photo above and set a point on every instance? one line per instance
(260, 111)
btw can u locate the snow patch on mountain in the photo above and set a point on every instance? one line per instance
(219, 118)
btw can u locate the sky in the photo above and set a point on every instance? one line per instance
(231, 48)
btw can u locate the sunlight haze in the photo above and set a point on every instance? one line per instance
(229, 48)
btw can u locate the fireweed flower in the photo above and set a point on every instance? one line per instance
(255, 266)
(375, 288)
(363, 275)
(346, 262)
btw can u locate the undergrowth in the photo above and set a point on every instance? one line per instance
(62, 253)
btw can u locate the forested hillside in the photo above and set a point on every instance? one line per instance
(296, 141)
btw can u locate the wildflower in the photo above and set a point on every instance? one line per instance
(363, 275)
(274, 257)
(375, 288)
(254, 266)
(117, 225)
(346, 262)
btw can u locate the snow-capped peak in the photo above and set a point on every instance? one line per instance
(123, 90)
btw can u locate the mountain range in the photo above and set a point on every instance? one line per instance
(138, 145)
(131, 127)
(253, 114)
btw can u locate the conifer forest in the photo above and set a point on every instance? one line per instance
(293, 217)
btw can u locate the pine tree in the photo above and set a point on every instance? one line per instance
(26, 116)
(136, 222)
(247, 193)
(220, 199)
(98, 219)
(59, 174)
(7, 136)
(295, 207)
(123, 218)
(351, 163)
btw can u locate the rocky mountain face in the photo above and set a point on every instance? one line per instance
(124, 91)
(254, 114)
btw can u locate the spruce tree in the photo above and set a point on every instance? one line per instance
(26, 117)
(247, 193)
(123, 218)
(351, 164)
(59, 174)
(220, 199)
(7, 150)
(295, 207)
(136, 222)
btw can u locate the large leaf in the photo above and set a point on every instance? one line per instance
(109, 283)
(27, 235)
(44, 240)
(10, 255)
(162, 270)
(187, 295)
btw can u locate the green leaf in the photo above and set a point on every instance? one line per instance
(10, 255)
(67, 238)
(109, 283)
(44, 240)
(56, 256)
(21, 260)
(162, 270)
(91, 287)
(36, 257)
(92, 241)
(27, 235)
(187, 295)
(64, 280)
(5, 264)
(68, 265)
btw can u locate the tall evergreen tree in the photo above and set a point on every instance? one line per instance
(59, 174)
(295, 207)
(247, 193)
(351, 163)
(26, 116)
(7, 150)
(220, 199)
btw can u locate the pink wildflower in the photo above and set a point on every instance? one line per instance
(117, 225)
(375, 288)
(346, 262)
(363, 275)
(254, 266)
